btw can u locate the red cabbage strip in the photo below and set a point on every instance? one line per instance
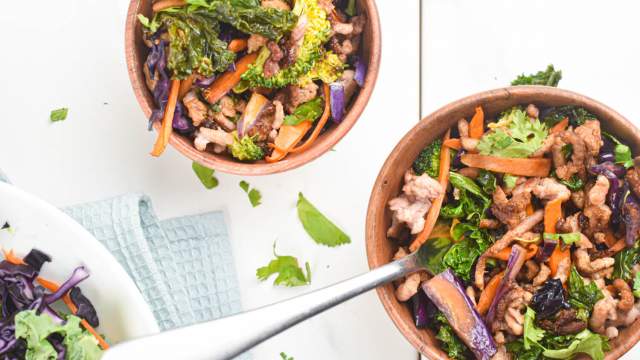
(447, 293)
(514, 264)
(79, 274)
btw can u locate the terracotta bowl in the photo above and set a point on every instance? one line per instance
(136, 53)
(387, 186)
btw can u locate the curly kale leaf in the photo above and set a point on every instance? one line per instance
(471, 242)
(517, 137)
(624, 262)
(248, 16)
(576, 115)
(317, 32)
(194, 45)
(548, 77)
(472, 201)
(428, 161)
(449, 341)
(581, 295)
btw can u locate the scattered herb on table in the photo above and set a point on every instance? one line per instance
(205, 175)
(58, 114)
(284, 356)
(321, 229)
(548, 77)
(254, 194)
(288, 270)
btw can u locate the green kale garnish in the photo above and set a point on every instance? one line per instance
(317, 32)
(518, 138)
(576, 115)
(471, 204)
(487, 180)
(248, 16)
(548, 77)
(449, 341)
(624, 262)
(471, 242)
(194, 45)
(428, 161)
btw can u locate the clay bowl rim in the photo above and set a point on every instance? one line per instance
(424, 132)
(224, 163)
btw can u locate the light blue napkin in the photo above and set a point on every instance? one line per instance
(183, 266)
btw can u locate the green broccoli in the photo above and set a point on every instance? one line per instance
(328, 69)
(245, 149)
(317, 32)
(428, 161)
(548, 77)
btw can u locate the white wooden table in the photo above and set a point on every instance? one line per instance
(71, 54)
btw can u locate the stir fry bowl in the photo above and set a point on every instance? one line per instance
(380, 250)
(136, 53)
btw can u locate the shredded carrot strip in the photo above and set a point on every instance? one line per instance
(320, 125)
(534, 167)
(529, 209)
(229, 79)
(455, 144)
(486, 297)
(185, 86)
(12, 258)
(559, 127)
(434, 211)
(53, 287)
(553, 213)
(167, 120)
(165, 4)
(503, 254)
(476, 125)
(287, 138)
(618, 246)
(237, 45)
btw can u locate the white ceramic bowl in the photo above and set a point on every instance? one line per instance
(121, 308)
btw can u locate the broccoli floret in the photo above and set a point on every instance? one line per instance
(245, 149)
(317, 32)
(549, 77)
(428, 161)
(328, 69)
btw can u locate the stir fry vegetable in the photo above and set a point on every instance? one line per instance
(209, 60)
(540, 221)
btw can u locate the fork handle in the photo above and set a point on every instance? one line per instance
(230, 336)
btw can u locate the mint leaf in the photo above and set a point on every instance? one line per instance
(321, 229)
(58, 114)
(288, 270)
(309, 111)
(254, 194)
(205, 175)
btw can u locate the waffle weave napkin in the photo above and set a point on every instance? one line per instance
(182, 266)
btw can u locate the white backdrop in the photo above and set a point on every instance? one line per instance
(71, 53)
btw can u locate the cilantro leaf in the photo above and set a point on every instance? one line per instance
(532, 334)
(284, 356)
(309, 111)
(636, 285)
(152, 25)
(58, 114)
(624, 262)
(321, 229)
(288, 270)
(255, 198)
(205, 175)
(621, 152)
(518, 137)
(548, 77)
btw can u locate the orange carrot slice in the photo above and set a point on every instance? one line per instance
(455, 144)
(434, 211)
(237, 45)
(228, 80)
(476, 125)
(486, 297)
(559, 127)
(536, 167)
(167, 120)
(320, 125)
